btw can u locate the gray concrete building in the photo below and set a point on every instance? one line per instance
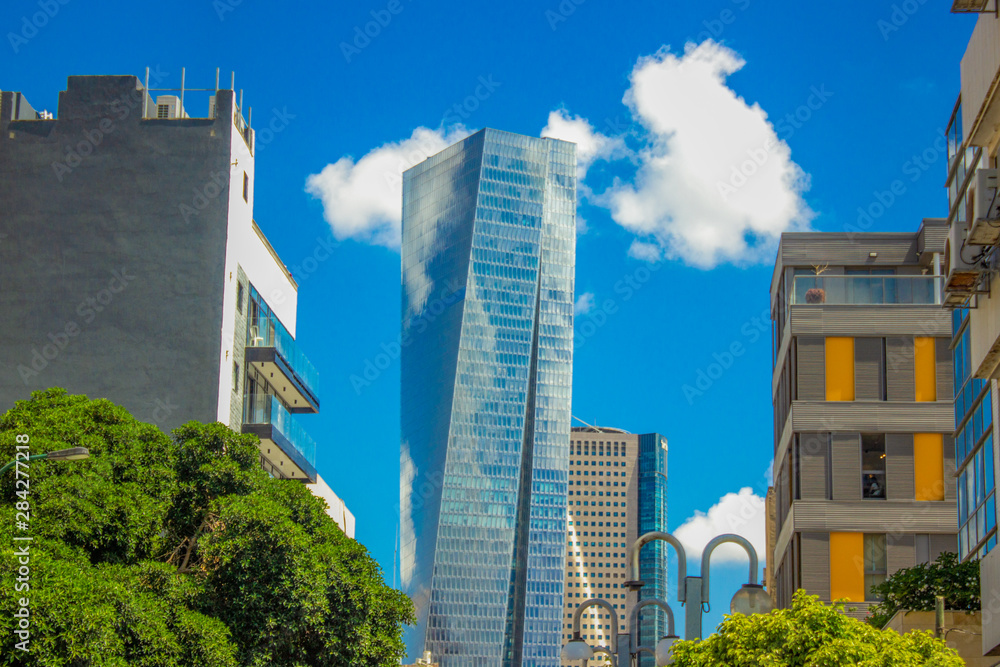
(862, 386)
(131, 267)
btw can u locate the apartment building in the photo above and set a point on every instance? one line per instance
(133, 269)
(971, 274)
(617, 492)
(862, 386)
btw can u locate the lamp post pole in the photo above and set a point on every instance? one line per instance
(71, 454)
(693, 592)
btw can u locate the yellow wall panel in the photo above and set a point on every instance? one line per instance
(847, 566)
(840, 369)
(928, 466)
(923, 367)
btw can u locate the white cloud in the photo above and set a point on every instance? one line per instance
(590, 144)
(363, 200)
(647, 252)
(714, 183)
(584, 304)
(742, 513)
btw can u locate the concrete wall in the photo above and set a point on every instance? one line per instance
(112, 260)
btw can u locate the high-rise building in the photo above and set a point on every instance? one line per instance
(487, 317)
(862, 387)
(617, 492)
(971, 264)
(133, 269)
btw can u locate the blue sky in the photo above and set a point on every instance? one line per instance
(888, 73)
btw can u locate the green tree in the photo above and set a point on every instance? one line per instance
(811, 634)
(914, 588)
(180, 552)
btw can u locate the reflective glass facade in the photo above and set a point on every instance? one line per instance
(977, 523)
(652, 501)
(487, 319)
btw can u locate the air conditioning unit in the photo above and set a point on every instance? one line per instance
(962, 268)
(169, 106)
(984, 228)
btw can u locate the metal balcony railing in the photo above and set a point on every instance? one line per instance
(267, 409)
(863, 290)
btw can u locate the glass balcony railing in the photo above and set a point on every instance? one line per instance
(267, 409)
(866, 290)
(265, 330)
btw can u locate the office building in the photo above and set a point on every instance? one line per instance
(970, 290)
(862, 388)
(617, 492)
(487, 319)
(134, 269)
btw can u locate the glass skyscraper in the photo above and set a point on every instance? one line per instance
(489, 238)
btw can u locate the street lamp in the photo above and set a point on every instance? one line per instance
(693, 592)
(71, 454)
(578, 649)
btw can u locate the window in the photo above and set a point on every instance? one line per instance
(163, 111)
(925, 375)
(239, 297)
(246, 187)
(928, 466)
(875, 563)
(840, 369)
(236, 376)
(873, 466)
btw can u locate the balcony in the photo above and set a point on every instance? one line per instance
(283, 441)
(274, 352)
(866, 290)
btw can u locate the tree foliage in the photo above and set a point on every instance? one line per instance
(914, 588)
(180, 552)
(811, 634)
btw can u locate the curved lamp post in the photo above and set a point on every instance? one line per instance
(693, 591)
(663, 653)
(71, 454)
(578, 649)
(751, 598)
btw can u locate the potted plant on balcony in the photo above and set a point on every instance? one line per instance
(817, 295)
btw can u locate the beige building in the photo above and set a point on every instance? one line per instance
(617, 492)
